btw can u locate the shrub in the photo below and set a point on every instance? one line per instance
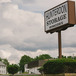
(60, 66)
(40, 70)
(12, 69)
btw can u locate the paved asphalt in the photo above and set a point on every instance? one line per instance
(20, 74)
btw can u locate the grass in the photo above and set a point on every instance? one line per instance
(27, 75)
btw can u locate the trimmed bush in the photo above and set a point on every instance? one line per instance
(12, 69)
(60, 66)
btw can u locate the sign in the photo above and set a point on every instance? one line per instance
(59, 17)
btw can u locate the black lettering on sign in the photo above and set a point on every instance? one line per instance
(55, 20)
(56, 11)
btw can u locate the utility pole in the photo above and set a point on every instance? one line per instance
(59, 44)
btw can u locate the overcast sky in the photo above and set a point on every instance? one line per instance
(22, 30)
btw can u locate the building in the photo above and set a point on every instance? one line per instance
(26, 68)
(33, 66)
(2, 68)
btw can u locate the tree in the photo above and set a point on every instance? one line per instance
(63, 56)
(24, 60)
(75, 57)
(42, 57)
(36, 58)
(69, 57)
(12, 69)
(5, 61)
(0, 59)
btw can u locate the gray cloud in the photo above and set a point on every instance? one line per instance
(28, 1)
(37, 5)
(24, 30)
(5, 1)
(69, 36)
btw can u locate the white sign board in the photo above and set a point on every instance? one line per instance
(56, 17)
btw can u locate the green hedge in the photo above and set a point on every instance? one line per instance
(60, 66)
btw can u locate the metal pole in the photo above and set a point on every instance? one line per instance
(59, 44)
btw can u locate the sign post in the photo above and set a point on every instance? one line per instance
(59, 18)
(59, 44)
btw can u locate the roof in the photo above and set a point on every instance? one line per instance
(1, 63)
(37, 63)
